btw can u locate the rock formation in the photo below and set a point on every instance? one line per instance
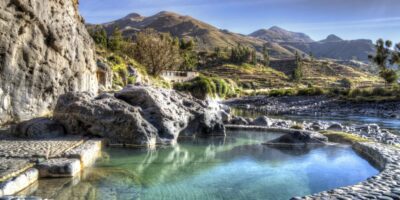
(45, 51)
(139, 115)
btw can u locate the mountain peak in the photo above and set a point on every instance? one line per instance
(132, 15)
(333, 38)
(276, 28)
(166, 13)
(278, 34)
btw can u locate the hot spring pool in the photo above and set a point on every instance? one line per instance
(235, 167)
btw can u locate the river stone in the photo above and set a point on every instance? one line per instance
(239, 121)
(104, 116)
(262, 121)
(299, 137)
(45, 51)
(39, 128)
(335, 127)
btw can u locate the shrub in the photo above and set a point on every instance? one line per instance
(313, 91)
(297, 126)
(347, 83)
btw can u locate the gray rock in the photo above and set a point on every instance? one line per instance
(299, 137)
(138, 115)
(239, 121)
(262, 121)
(39, 128)
(335, 127)
(173, 113)
(45, 51)
(226, 118)
(105, 116)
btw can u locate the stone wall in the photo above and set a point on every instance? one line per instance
(45, 51)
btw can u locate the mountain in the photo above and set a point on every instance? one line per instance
(206, 36)
(277, 34)
(332, 47)
(336, 48)
(281, 43)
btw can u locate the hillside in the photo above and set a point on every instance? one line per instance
(319, 73)
(206, 36)
(332, 47)
(277, 34)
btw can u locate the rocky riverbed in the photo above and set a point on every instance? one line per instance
(316, 105)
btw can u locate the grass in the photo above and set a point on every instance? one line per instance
(343, 137)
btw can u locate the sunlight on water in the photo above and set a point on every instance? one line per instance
(235, 167)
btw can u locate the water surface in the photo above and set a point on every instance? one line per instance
(235, 167)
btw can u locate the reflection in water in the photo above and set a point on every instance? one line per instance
(235, 167)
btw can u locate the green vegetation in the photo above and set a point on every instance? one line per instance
(156, 51)
(202, 87)
(297, 127)
(298, 71)
(383, 57)
(343, 137)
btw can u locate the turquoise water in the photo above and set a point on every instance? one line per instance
(235, 167)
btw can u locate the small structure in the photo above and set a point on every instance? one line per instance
(179, 76)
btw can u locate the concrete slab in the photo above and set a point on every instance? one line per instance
(10, 167)
(59, 167)
(37, 148)
(87, 153)
(18, 183)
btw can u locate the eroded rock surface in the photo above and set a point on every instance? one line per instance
(104, 116)
(140, 115)
(45, 51)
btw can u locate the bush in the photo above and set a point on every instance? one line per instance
(313, 91)
(201, 87)
(297, 126)
(347, 83)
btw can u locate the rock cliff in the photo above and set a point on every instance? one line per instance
(45, 51)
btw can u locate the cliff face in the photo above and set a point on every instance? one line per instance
(45, 51)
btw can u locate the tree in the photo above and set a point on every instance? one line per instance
(99, 36)
(382, 59)
(116, 40)
(266, 56)
(156, 51)
(298, 71)
(254, 57)
(240, 54)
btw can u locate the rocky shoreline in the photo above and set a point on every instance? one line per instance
(316, 105)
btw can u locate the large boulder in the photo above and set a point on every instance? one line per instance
(299, 138)
(104, 116)
(45, 51)
(39, 128)
(137, 114)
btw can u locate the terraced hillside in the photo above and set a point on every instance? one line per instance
(249, 76)
(317, 73)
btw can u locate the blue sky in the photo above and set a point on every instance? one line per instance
(349, 19)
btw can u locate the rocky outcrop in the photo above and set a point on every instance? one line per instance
(104, 116)
(299, 138)
(139, 115)
(45, 51)
(39, 128)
